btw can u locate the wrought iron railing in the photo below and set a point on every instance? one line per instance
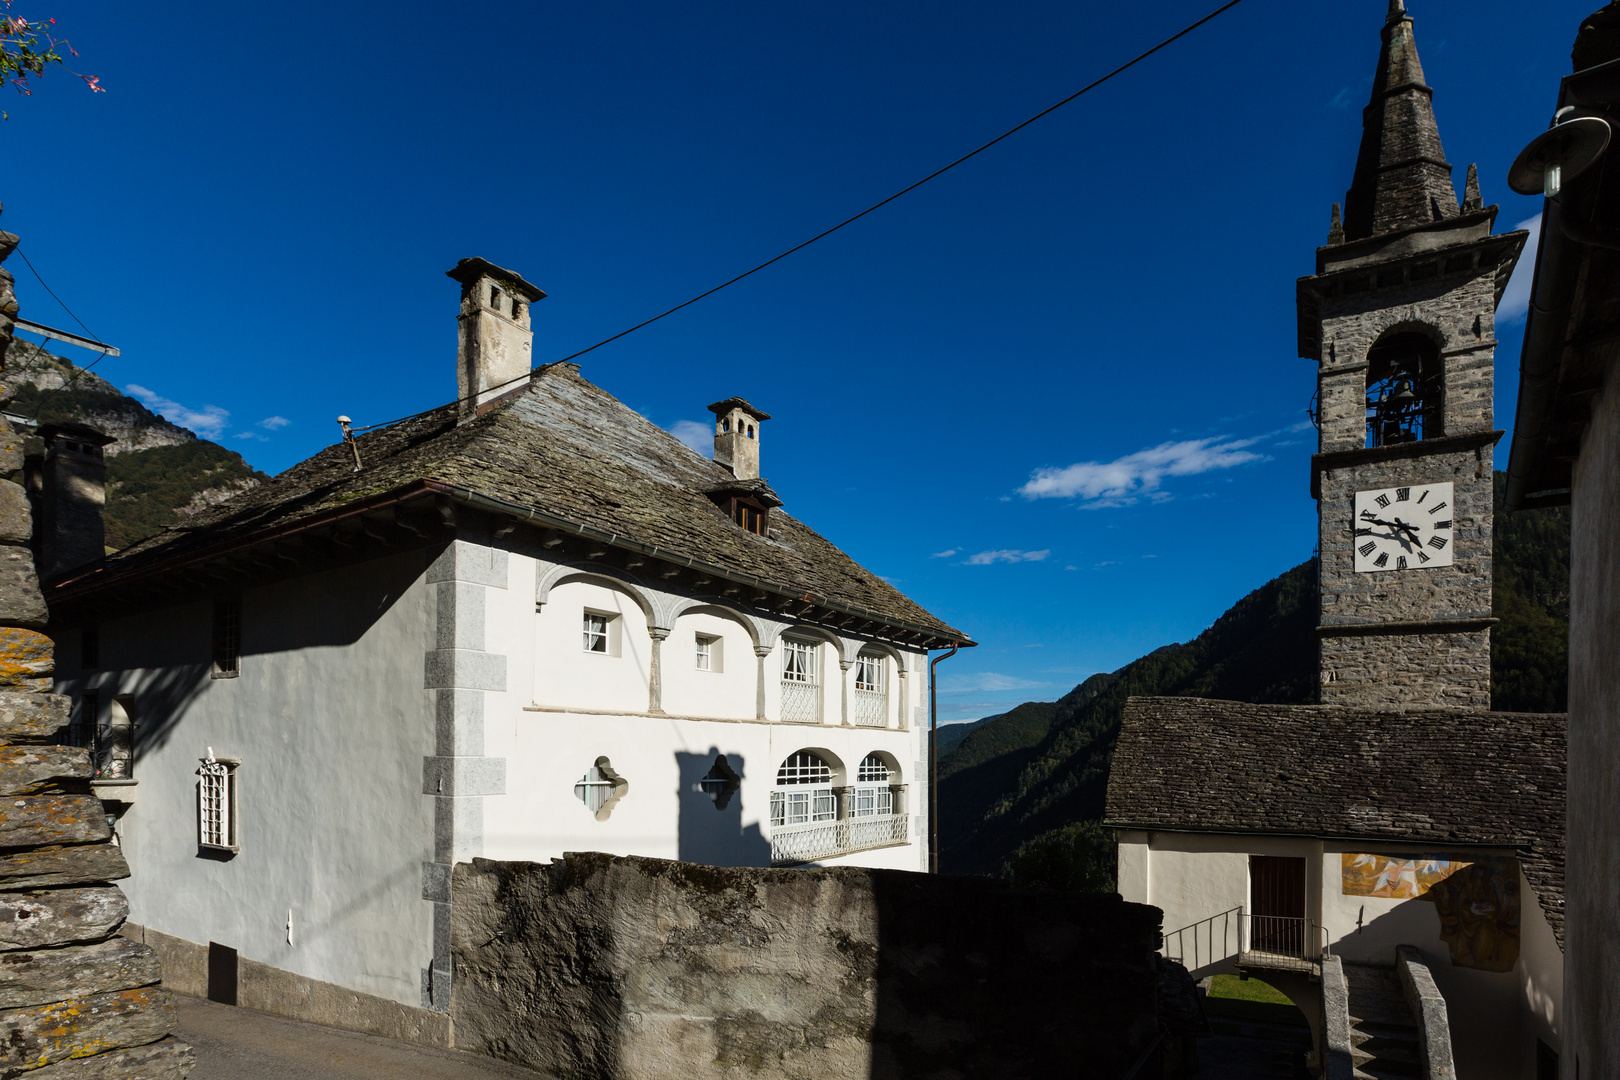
(1234, 934)
(1207, 941)
(806, 843)
(871, 708)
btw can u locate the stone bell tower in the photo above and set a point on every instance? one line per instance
(1401, 318)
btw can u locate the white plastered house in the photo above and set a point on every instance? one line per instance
(524, 623)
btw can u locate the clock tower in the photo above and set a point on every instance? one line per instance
(1401, 317)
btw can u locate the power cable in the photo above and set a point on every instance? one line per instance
(1172, 39)
(40, 405)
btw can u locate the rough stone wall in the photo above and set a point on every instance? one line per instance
(1407, 669)
(75, 1001)
(596, 966)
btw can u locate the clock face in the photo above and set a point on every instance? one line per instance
(1403, 528)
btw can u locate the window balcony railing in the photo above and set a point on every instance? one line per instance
(792, 844)
(801, 702)
(871, 708)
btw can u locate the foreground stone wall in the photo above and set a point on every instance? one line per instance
(596, 966)
(75, 1001)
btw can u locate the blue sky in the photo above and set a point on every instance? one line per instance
(1048, 395)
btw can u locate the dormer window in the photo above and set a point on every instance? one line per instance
(750, 515)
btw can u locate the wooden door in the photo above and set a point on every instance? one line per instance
(1277, 904)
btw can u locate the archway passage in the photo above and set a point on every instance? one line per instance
(1255, 1030)
(1405, 390)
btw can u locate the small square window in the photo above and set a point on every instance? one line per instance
(709, 652)
(227, 638)
(596, 632)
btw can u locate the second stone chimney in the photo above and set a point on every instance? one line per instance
(736, 436)
(72, 498)
(494, 344)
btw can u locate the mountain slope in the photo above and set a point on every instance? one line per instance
(1032, 809)
(158, 473)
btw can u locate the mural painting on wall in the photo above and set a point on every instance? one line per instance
(1477, 900)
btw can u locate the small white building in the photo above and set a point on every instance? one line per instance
(1273, 836)
(525, 623)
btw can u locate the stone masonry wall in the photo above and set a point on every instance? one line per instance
(1406, 664)
(630, 968)
(1458, 313)
(76, 1001)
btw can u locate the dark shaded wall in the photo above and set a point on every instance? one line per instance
(596, 966)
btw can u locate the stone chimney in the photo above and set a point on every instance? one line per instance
(736, 436)
(72, 497)
(494, 345)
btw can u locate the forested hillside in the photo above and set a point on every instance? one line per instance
(157, 472)
(1021, 800)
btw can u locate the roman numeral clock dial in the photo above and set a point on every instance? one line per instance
(1404, 528)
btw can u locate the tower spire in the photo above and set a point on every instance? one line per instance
(1402, 177)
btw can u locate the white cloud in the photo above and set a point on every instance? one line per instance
(985, 681)
(1515, 303)
(254, 435)
(696, 434)
(1011, 555)
(947, 553)
(210, 421)
(1123, 481)
(274, 423)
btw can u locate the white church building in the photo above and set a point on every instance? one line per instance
(524, 623)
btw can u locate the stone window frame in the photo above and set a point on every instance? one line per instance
(218, 800)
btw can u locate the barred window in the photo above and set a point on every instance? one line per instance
(217, 815)
(873, 770)
(804, 768)
(227, 638)
(83, 728)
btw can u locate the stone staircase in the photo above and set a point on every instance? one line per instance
(1384, 1037)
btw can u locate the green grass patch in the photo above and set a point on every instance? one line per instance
(1230, 986)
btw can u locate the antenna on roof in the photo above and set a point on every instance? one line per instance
(348, 437)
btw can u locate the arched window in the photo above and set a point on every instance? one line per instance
(1404, 390)
(803, 792)
(873, 795)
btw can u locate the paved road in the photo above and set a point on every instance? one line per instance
(240, 1044)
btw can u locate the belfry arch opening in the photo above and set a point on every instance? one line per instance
(1405, 390)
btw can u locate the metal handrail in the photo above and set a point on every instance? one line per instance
(1233, 932)
(1202, 936)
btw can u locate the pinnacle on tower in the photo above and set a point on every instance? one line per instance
(1402, 178)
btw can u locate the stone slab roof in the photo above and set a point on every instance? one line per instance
(1429, 776)
(569, 449)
